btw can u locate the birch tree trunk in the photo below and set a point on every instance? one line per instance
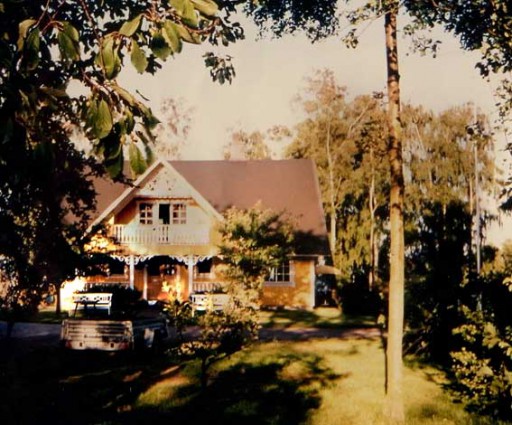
(394, 390)
(333, 216)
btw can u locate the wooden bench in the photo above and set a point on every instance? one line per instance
(95, 300)
(208, 302)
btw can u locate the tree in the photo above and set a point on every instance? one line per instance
(44, 209)
(46, 46)
(344, 137)
(482, 25)
(289, 16)
(173, 132)
(252, 242)
(323, 137)
(245, 145)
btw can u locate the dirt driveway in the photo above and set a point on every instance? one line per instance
(30, 330)
(31, 336)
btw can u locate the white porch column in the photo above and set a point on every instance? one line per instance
(190, 263)
(145, 287)
(132, 271)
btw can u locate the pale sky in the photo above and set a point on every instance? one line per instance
(271, 72)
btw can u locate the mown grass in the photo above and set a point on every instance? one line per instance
(328, 318)
(321, 382)
(315, 382)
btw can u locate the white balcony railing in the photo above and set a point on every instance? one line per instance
(160, 234)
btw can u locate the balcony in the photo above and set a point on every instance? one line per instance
(160, 234)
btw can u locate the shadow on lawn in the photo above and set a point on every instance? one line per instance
(52, 386)
(280, 391)
(323, 317)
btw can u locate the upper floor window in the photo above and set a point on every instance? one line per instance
(179, 213)
(164, 214)
(145, 213)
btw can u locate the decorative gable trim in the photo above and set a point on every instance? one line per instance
(199, 198)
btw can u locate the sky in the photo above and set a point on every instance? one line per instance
(269, 73)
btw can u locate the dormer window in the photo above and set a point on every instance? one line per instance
(145, 213)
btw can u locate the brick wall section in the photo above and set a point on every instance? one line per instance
(298, 296)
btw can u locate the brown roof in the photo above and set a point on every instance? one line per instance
(284, 186)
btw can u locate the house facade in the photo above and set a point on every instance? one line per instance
(159, 234)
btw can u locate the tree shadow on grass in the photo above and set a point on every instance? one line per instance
(281, 391)
(53, 386)
(50, 385)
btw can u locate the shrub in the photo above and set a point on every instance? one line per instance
(482, 366)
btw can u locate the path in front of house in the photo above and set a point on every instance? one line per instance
(38, 335)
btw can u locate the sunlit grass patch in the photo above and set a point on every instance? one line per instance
(316, 382)
(165, 393)
(327, 381)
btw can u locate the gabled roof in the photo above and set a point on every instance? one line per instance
(289, 186)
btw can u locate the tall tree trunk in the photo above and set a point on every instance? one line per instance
(373, 208)
(333, 216)
(394, 390)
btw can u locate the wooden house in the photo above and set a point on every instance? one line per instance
(160, 233)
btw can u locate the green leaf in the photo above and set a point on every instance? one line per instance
(114, 166)
(124, 94)
(68, 40)
(150, 121)
(110, 58)
(171, 36)
(138, 58)
(103, 122)
(112, 146)
(90, 114)
(23, 28)
(31, 50)
(129, 122)
(54, 91)
(137, 161)
(150, 156)
(206, 7)
(159, 46)
(186, 35)
(130, 27)
(71, 31)
(186, 11)
(67, 47)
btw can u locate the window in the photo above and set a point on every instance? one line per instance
(164, 214)
(179, 213)
(281, 273)
(145, 213)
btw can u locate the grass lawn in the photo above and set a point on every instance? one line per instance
(322, 317)
(317, 382)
